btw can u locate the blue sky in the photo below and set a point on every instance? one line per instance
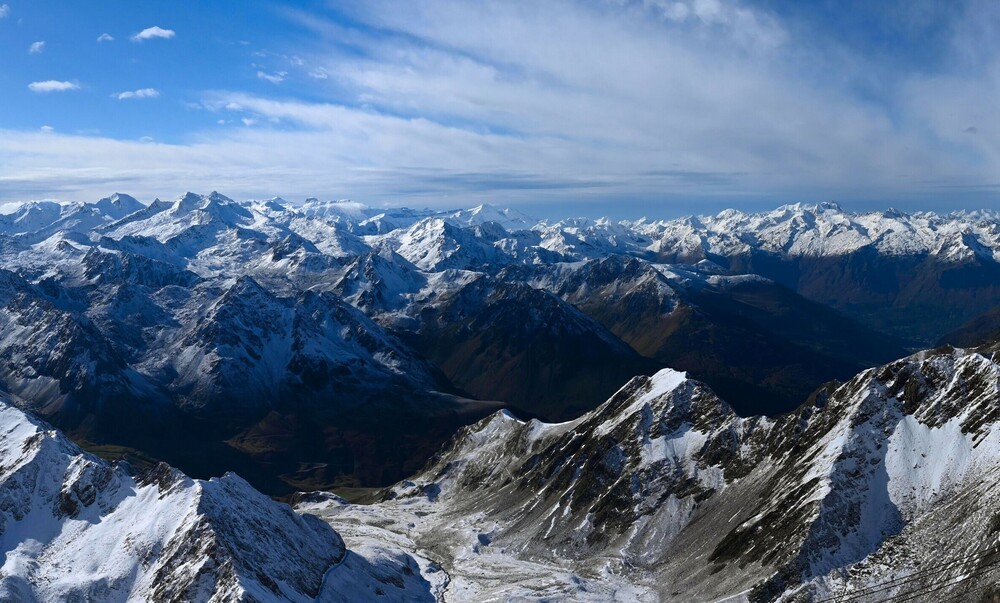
(622, 107)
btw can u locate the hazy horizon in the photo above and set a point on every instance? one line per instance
(623, 210)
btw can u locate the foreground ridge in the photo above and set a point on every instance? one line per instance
(75, 526)
(664, 493)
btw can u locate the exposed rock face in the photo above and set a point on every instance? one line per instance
(329, 342)
(664, 490)
(759, 345)
(512, 342)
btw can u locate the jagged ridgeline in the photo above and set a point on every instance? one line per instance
(317, 345)
(884, 488)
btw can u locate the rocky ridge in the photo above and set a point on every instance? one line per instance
(279, 331)
(879, 486)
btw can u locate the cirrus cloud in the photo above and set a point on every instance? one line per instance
(36, 47)
(274, 78)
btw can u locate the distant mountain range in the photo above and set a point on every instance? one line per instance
(331, 344)
(702, 409)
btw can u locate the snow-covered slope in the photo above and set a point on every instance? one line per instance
(248, 346)
(826, 229)
(886, 483)
(509, 218)
(433, 244)
(126, 346)
(916, 276)
(58, 360)
(31, 216)
(76, 528)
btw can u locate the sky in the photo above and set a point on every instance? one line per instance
(579, 107)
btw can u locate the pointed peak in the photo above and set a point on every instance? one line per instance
(247, 282)
(188, 201)
(245, 290)
(117, 205)
(219, 197)
(735, 213)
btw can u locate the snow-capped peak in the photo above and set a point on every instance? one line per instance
(82, 529)
(510, 219)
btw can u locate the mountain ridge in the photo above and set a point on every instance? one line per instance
(665, 493)
(434, 318)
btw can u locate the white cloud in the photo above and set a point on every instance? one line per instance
(743, 24)
(629, 92)
(472, 99)
(676, 11)
(36, 47)
(319, 74)
(4, 11)
(274, 78)
(140, 93)
(153, 32)
(52, 86)
(105, 37)
(47, 129)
